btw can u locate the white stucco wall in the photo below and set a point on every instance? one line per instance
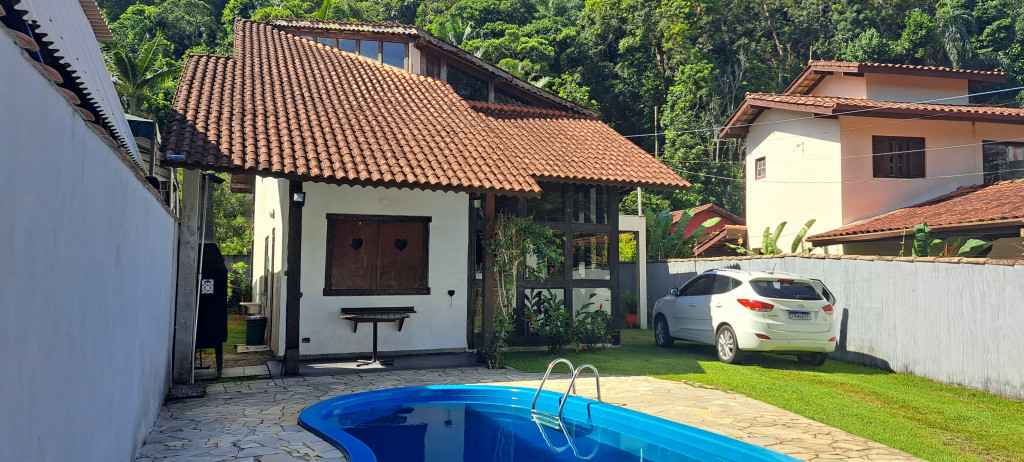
(440, 321)
(908, 88)
(86, 285)
(953, 158)
(269, 219)
(802, 175)
(887, 87)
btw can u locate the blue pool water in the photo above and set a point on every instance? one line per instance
(489, 423)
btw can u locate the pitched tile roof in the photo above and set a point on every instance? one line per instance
(978, 204)
(552, 144)
(677, 214)
(755, 103)
(424, 38)
(289, 107)
(817, 70)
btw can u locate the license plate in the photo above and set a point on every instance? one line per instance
(799, 315)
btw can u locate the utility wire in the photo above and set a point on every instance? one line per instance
(878, 180)
(858, 111)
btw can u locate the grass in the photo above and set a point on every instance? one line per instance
(926, 419)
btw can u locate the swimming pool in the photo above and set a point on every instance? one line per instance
(493, 423)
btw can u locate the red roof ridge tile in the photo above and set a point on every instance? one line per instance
(862, 64)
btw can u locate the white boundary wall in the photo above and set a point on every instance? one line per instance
(953, 322)
(86, 282)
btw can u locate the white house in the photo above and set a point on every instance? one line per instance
(87, 248)
(380, 153)
(849, 141)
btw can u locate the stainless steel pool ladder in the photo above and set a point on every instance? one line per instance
(555, 420)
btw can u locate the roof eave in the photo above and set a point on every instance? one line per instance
(824, 239)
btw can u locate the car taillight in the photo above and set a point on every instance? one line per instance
(832, 339)
(756, 305)
(827, 309)
(786, 281)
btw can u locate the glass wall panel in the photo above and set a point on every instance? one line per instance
(591, 299)
(552, 271)
(590, 204)
(506, 205)
(467, 85)
(394, 54)
(368, 49)
(590, 256)
(503, 97)
(347, 45)
(326, 41)
(549, 207)
(539, 302)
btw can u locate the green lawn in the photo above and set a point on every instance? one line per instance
(924, 418)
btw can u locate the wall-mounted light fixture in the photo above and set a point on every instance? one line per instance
(298, 198)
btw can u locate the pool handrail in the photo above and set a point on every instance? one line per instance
(572, 372)
(572, 386)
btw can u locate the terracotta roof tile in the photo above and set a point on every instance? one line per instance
(755, 103)
(289, 107)
(1003, 200)
(817, 70)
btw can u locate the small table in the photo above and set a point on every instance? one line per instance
(376, 316)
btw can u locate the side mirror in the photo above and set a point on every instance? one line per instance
(674, 292)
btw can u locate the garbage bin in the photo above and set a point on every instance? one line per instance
(255, 327)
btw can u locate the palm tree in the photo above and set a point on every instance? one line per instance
(136, 74)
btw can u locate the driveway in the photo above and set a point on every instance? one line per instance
(256, 421)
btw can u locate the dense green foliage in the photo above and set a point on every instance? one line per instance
(689, 61)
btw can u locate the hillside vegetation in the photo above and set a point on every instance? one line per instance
(690, 62)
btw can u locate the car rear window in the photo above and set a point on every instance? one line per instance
(785, 290)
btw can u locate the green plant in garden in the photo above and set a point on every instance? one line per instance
(512, 239)
(666, 239)
(770, 241)
(550, 318)
(925, 246)
(239, 286)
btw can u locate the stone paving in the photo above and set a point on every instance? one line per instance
(256, 421)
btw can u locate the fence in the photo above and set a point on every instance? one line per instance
(953, 320)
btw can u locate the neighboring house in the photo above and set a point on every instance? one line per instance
(994, 211)
(849, 141)
(380, 155)
(87, 248)
(729, 229)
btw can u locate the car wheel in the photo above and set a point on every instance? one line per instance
(812, 359)
(728, 347)
(661, 335)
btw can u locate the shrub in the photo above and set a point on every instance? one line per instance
(550, 318)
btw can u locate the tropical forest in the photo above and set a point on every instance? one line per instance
(664, 73)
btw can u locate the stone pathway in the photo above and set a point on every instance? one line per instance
(257, 421)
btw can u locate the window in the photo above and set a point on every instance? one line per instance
(369, 49)
(393, 54)
(759, 168)
(550, 206)
(376, 255)
(724, 284)
(468, 86)
(590, 204)
(699, 286)
(348, 45)
(785, 290)
(897, 157)
(590, 256)
(503, 97)
(1003, 161)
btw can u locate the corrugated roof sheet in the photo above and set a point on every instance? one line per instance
(290, 107)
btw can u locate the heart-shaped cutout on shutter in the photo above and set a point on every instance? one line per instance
(356, 243)
(401, 244)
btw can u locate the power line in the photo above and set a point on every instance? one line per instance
(857, 111)
(879, 180)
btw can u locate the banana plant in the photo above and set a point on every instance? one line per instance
(666, 239)
(770, 241)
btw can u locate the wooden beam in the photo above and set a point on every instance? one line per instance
(294, 275)
(188, 264)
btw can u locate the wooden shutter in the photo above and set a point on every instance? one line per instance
(354, 252)
(880, 159)
(916, 157)
(402, 255)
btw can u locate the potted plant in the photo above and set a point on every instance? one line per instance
(629, 302)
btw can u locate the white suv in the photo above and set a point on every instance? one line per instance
(741, 311)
